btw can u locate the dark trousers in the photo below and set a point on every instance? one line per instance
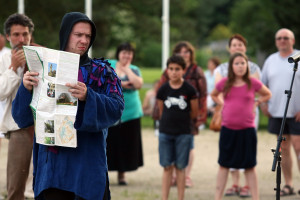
(57, 194)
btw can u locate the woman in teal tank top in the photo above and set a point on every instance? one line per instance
(124, 143)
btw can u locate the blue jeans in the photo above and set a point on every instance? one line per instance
(174, 150)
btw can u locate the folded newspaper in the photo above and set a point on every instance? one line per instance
(54, 108)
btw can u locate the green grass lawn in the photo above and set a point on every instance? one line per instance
(150, 75)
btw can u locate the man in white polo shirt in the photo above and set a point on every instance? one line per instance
(277, 75)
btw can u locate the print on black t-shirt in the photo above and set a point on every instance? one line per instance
(175, 117)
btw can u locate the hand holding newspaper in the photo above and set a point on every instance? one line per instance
(54, 108)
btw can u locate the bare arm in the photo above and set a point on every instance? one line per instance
(146, 104)
(297, 117)
(264, 96)
(160, 104)
(194, 108)
(202, 92)
(218, 77)
(134, 80)
(264, 109)
(217, 97)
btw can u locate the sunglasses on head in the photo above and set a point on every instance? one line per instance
(282, 38)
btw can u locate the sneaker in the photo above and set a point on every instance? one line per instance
(234, 190)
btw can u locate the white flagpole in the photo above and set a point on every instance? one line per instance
(165, 33)
(88, 12)
(21, 6)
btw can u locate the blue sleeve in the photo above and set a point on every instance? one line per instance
(99, 111)
(21, 111)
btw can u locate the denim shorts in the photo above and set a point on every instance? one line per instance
(192, 144)
(174, 150)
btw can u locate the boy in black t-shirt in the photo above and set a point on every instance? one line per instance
(177, 102)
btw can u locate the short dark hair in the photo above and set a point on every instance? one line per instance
(124, 47)
(18, 19)
(177, 60)
(238, 37)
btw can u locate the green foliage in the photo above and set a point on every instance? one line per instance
(220, 32)
(47, 18)
(202, 56)
(149, 54)
(147, 121)
(263, 122)
(286, 14)
(122, 29)
(257, 28)
(211, 13)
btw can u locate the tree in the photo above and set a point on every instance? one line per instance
(287, 15)
(135, 21)
(209, 14)
(255, 21)
(219, 32)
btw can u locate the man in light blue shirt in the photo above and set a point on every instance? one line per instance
(277, 75)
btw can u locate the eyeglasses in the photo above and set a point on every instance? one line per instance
(282, 38)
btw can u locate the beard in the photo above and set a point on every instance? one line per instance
(17, 46)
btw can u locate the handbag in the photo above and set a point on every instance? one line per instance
(216, 120)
